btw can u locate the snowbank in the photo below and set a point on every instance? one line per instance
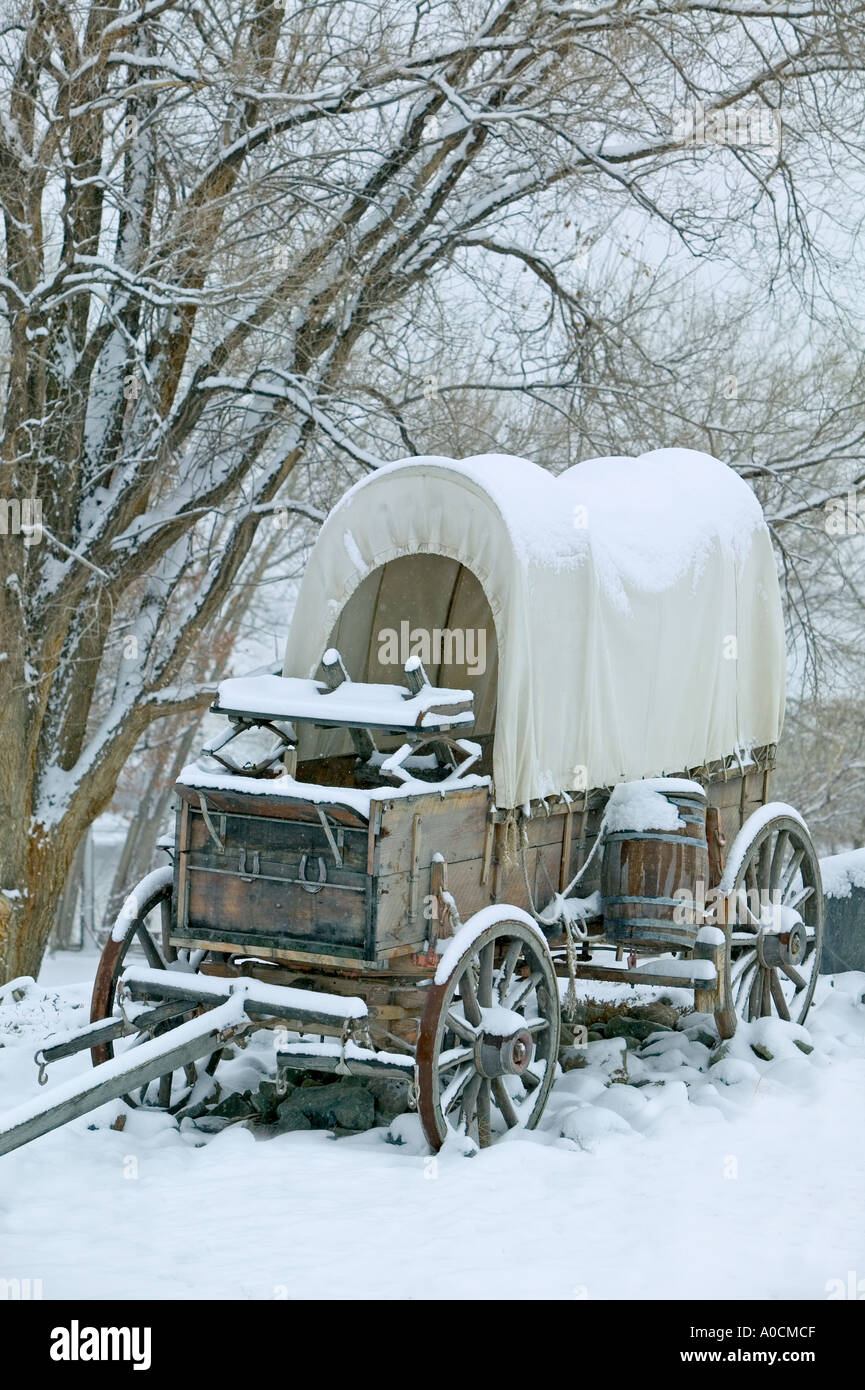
(628, 1138)
(841, 873)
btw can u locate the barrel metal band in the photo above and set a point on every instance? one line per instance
(658, 839)
(663, 929)
(650, 898)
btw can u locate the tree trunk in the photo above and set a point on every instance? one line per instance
(39, 873)
(61, 939)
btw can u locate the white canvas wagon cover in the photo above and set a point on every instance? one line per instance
(635, 603)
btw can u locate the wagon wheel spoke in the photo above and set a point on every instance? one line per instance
(750, 920)
(745, 958)
(148, 945)
(741, 979)
(742, 967)
(468, 994)
(504, 1103)
(778, 996)
(523, 990)
(755, 995)
(743, 986)
(793, 974)
(792, 870)
(455, 1057)
(537, 1025)
(509, 965)
(469, 1100)
(463, 1030)
(483, 1108)
(766, 995)
(801, 897)
(485, 977)
(169, 952)
(455, 1088)
(764, 864)
(782, 844)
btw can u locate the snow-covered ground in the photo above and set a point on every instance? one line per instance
(743, 1180)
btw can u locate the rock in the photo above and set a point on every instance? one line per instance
(702, 1035)
(656, 1012)
(234, 1107)
(761, 1050)
(573, 1058)
(802, 1046)
(339, 1106)
(211, 1124)
(637, 1028)
(266, 1099)
(290, 1117)
(592, 1012)
(594, 1035)
(721, 1054)
(390, 1097)
(568, 1026)
(193, 1112)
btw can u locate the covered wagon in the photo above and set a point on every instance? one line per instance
(523, 737)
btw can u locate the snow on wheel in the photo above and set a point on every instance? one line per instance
(774, 930)
(489, 1036)
(143, 925)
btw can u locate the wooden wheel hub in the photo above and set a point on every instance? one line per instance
(783, 948)
(497, 1055)
(794, 944)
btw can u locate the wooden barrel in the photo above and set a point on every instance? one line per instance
(642, 870)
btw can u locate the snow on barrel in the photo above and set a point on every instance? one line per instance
(654, 844)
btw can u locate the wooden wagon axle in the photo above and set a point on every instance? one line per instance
(261, 1001)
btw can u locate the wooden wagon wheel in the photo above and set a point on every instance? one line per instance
(489, 1036)
(775, 921)
(153, 893)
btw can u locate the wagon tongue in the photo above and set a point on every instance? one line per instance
(230, 1007)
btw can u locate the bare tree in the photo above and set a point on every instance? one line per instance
(223, 222)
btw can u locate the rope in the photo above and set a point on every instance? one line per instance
(538, 916)
(572, 931)
(509, 839)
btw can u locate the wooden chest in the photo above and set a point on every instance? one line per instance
(274, 876)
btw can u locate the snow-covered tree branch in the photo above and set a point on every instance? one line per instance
(227, 228)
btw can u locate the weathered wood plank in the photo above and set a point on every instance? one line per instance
(112, 1079)
(271, 807)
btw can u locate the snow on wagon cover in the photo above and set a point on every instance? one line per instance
(635, 600)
